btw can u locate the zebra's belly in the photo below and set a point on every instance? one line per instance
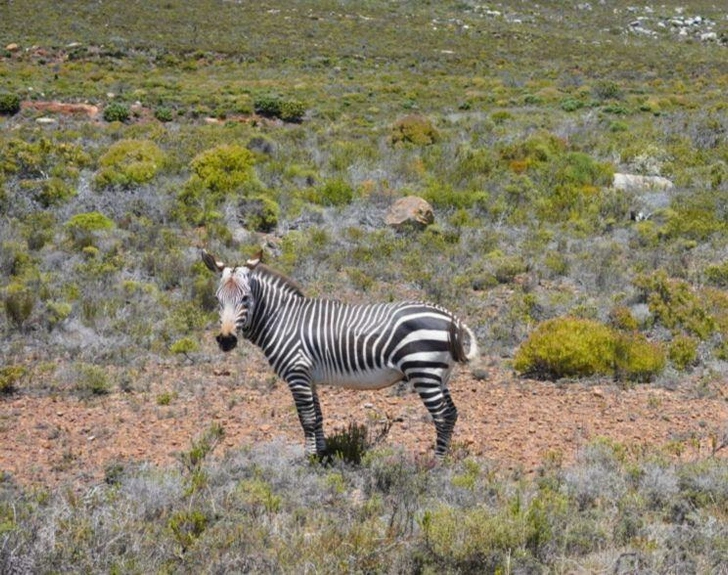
(371, 379)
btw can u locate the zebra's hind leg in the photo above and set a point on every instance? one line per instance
(319, 430)
(436, 397)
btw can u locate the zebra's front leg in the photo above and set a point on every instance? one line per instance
(309, 414)
(437, 399)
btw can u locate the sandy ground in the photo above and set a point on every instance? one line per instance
(51, 439)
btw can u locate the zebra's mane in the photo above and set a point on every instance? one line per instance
(278, 279)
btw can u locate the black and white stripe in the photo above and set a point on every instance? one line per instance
(320, 341)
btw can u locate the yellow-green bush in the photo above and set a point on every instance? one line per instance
(83, 228)
(567, 347)
(10, 375)
(576, 347)
(128, 163)
(636, 358)
(19, 301)
(224, 168)
(334, 192)
(414, 129)
(260, 213)
(218, 173)
(677, 305)
(683, 351)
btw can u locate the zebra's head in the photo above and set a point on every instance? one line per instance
(234, 298)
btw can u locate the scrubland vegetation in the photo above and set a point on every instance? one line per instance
(294, 126)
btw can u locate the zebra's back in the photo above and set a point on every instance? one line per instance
(372, 346)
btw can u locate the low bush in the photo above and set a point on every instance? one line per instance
(683, 351)
(116, 112)
(274, 106)
(220, 173)
(717, 274)
(223, 168)
(259, 213)
(9, 104)
(334, 192)
(84, 229)
(414, 129)
(129, 163)
(637, 359)
(19, 302)
(10, 375)
(164, 114)
(91, 380)
(566, 347)
(576, 347)
(677, 305)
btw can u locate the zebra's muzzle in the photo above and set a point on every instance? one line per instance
(227, 342)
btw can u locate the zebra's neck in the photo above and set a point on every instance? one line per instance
(273, 294)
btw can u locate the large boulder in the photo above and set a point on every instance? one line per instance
(410, 211)
(641, 183)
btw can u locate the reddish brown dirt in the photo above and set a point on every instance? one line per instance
(62, 108)
(53, 440)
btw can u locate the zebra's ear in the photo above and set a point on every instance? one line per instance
(252, 262)
(212, 264)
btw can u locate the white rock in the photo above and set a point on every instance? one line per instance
(634, 182)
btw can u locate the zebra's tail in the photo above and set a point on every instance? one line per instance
(457, 347)
(473, 351)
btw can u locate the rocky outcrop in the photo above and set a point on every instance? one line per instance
(409, 211)
(634, 182)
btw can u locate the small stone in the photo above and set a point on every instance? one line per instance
(12, 47)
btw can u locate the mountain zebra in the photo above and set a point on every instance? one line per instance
(310, 341)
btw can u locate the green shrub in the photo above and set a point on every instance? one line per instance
(536, 151)
(349, 445)
(128, 163)
(55, 191)
(637, 359)
(683, 351)
(184, 346)
(218, 173)
(414, 129)
(556, 263)
(334, 192)
(19, 301)
(697, 216)
(566, 347)
(622, 319)
(116, 112)
(575, 347)
(571, 104)
(187, 527)
(83, 229)
(224, 168)
(274, 106)
(9, 104)
(164, 114)
(260, 213)
(676, 304)
(91, 380)
(717, 274)
(607, 90)
(10, 375)
(446, 196)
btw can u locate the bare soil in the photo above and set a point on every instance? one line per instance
(55, 438)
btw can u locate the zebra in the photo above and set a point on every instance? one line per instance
(312, 341)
